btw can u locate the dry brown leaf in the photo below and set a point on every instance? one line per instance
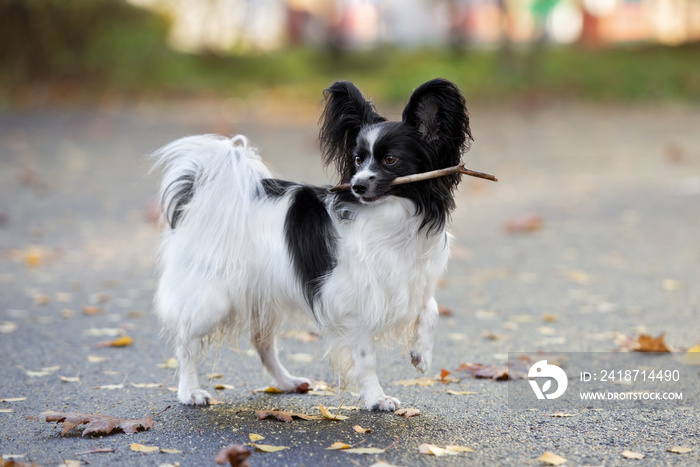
(632, 455)
(287, 417)
(331, 416)
(95, 451)
(510, 371)
(524, 224)
(143, 448)
(123, 341)
(235, 454)
(98, 423)
(407, 413)
(646, 343)
(338, 446)
(550, 458)
(16, 463)
(679, 450)
(444, 311)
(268, 447)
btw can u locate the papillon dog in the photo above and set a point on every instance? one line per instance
(244, 251)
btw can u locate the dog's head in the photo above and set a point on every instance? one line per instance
(369, 152)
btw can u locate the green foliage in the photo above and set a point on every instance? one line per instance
(107, 46)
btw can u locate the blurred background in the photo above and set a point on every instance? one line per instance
(287, 51)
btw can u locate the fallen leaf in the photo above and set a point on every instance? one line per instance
(548, 318)
(561, 414)
(70, 379)
(123, 341)
(214, 375)
(337, 446)
(6, 410)
(330, 416)
(510, 371)
(460, 393)
(287, 417)
(111, 387)
(95, 451)
(96, 359)
(221, 387)
(255, 437)
(143, 448)
(235, 454)
(169, 363)
(444, 311)
(491, 336)
(632, 455)
(646, 343)
(524, 224)
(679, 450)
(43, 372)
(453, 448)
(268, 448)
(407, 413)
(146, 385)
(550, 458)
(436, 451)
(268, 390)
(359, 429)
(7, 327)
(365, 451)
(71, 463)
(97, 423)
(13, 399)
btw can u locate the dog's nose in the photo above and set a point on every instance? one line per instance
(359, 188)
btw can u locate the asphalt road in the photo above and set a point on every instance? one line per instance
(610, 201)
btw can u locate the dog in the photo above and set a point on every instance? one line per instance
(243, 251)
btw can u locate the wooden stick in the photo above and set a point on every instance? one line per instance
(460, 169)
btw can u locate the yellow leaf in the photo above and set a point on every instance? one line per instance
(330, 416)
(359, 429)
(255, 437)
(632, 455)
(550, 458)
(268, 390)
(169, 363)
(143, 448)
(215, 375)
(679, 450)
(365, 451)
(268, 448)
(123, 341)
(338, 445)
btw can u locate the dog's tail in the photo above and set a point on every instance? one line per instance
(207, 169)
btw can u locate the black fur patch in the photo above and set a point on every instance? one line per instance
(275, 188)
(311, 239)
(180, 193)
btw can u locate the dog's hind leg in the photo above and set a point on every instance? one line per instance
(266, 346)
(188, 391)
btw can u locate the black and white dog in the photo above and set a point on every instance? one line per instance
(244, 250)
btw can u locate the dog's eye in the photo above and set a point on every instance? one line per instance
(390, 160)
(358, 161)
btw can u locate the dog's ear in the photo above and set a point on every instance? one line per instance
(438, 110)
(345, 112)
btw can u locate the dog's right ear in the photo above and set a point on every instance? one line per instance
(345, 112)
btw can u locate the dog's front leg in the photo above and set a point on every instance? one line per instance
(188, 391)
(422, 345)
(364, 373)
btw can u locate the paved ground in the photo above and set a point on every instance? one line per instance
(617, 192)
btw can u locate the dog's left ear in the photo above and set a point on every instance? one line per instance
(438, 110)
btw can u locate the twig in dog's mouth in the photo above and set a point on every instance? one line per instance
(460, 169)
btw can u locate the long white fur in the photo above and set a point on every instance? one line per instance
(226, 267)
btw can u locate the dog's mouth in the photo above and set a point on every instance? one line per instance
(368, 200)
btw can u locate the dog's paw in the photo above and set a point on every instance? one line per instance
(421, 360)
(384, 403)
(196, 397)
(294, 384)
